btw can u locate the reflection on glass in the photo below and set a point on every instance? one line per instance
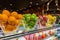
(48, 4)
(56, 2)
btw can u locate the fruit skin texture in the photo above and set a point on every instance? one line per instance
(17, 22)
(0, 18)
(19, 16)
(30, 20)
(6, 12)
(4, 17)
(40, 18)
(45, 18)
(52, 19)
(14, 13)
(10, 27)
(12, 20)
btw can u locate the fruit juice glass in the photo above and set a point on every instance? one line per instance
(27, 37)
(35, 37)
(40, 36)
(31, 36)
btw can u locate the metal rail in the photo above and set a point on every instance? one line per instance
(26, 33)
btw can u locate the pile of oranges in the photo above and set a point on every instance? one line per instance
(10, 20)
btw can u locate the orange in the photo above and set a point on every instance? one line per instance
(14, 13)
(17, 22)
(10, 27)
(0, 16)
(6, 12)
(11, 20)
(19, 16)
(4, 17)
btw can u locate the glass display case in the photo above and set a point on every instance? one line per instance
(29, 20)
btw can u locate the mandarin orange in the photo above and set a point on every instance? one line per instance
(6, 12)
(11, 20)
(17, 22)
(10, 28)
(14, 13)
(4, 17)
(0, 16)
(19, 16)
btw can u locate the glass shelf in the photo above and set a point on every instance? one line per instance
(27, 33)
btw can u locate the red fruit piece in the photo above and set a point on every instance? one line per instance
(31, 36)
(27, 37)
(44, 35)
(51, 33)
(45, 18)
(40, 37)
(40, 17)
(35, 37)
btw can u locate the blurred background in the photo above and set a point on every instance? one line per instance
(19, 5)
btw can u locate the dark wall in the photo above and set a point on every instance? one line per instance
(17, 5)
